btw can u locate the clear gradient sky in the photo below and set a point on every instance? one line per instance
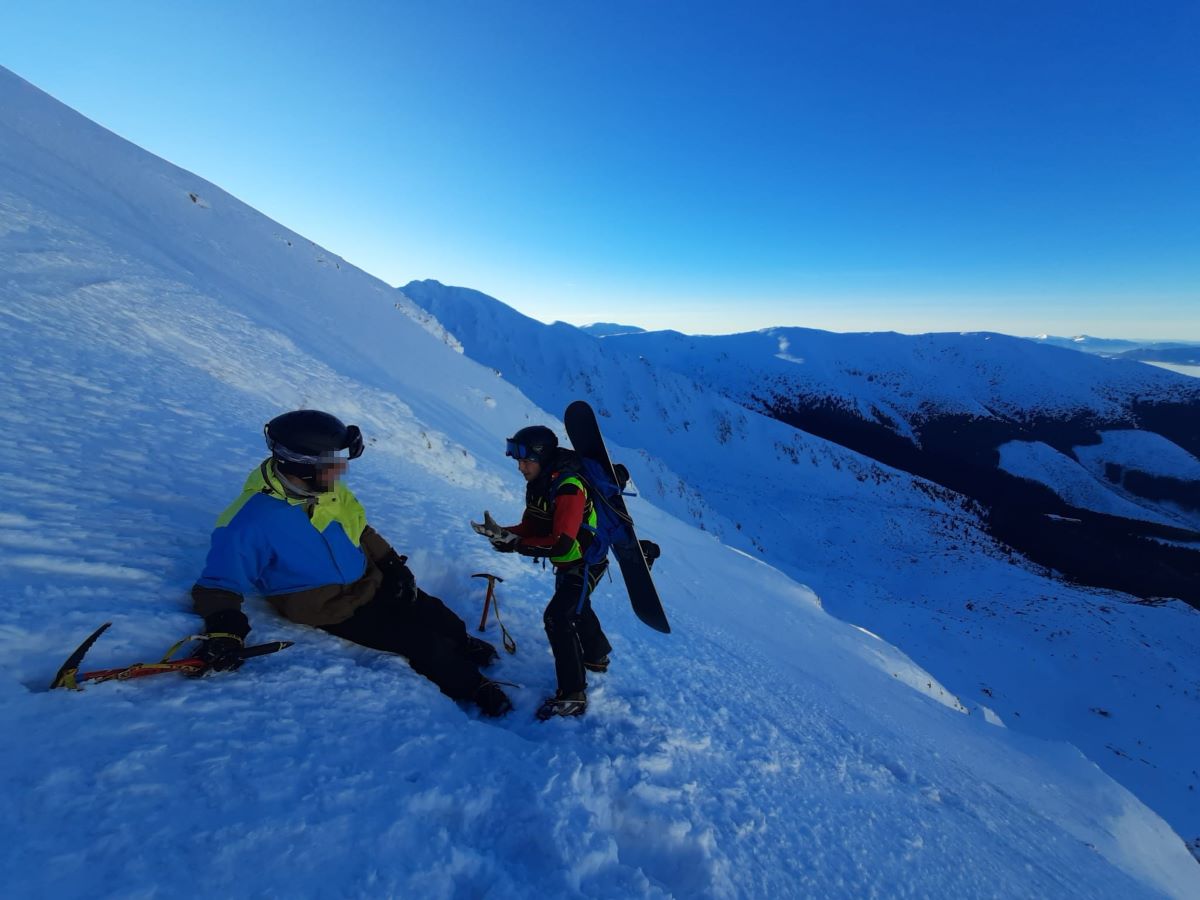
(1023, 167)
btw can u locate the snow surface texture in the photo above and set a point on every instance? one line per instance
(764, 748)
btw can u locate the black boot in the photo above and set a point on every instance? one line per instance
(563, 705)
(480, 652)
(491, 700)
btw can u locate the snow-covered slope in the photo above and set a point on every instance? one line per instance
(941, 406)
(903, 557)
(1081, 478)
(764, 748)
(697, 453)
(1075, 484)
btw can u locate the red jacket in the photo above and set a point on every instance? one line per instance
(553, 520)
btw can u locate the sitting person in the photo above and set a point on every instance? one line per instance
(300, 538)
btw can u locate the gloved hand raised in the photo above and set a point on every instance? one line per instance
(502, 539)
(489, 528)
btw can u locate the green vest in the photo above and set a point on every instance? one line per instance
(589, 522)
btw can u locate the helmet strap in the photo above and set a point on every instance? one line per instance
(290, 487)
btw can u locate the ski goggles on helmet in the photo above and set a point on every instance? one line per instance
(518, 451)
(352, 450)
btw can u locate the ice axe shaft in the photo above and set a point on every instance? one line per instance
(491, 594)
(490, 601)
(191, 666)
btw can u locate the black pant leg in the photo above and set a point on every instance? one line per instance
(437, 657)
(572, 626)
(385, 624)
(592, 638)
(435, 615)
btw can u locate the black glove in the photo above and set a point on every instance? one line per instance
(399, 577)
(220, 652)
(224, 635)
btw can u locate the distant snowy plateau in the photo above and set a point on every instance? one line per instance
(933, 599)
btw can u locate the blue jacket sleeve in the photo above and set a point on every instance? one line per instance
(237, 557)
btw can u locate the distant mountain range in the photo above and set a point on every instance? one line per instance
(1183, 353)
(960, 410)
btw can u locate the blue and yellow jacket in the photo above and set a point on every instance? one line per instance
(312, 557)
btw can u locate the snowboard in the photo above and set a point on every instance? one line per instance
(585, 437)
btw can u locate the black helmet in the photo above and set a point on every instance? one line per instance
(536, 442)
(303, 440)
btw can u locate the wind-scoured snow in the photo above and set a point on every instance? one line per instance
(765, 748)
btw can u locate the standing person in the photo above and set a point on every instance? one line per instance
(558, 523)
(300, 538)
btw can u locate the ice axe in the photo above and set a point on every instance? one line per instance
(492, 602)
(70, 677)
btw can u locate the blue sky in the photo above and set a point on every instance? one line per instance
(1019, 167)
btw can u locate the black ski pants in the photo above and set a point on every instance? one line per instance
(572, 627)
(432, 638)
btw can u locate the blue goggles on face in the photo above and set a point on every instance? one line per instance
(517, 451)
